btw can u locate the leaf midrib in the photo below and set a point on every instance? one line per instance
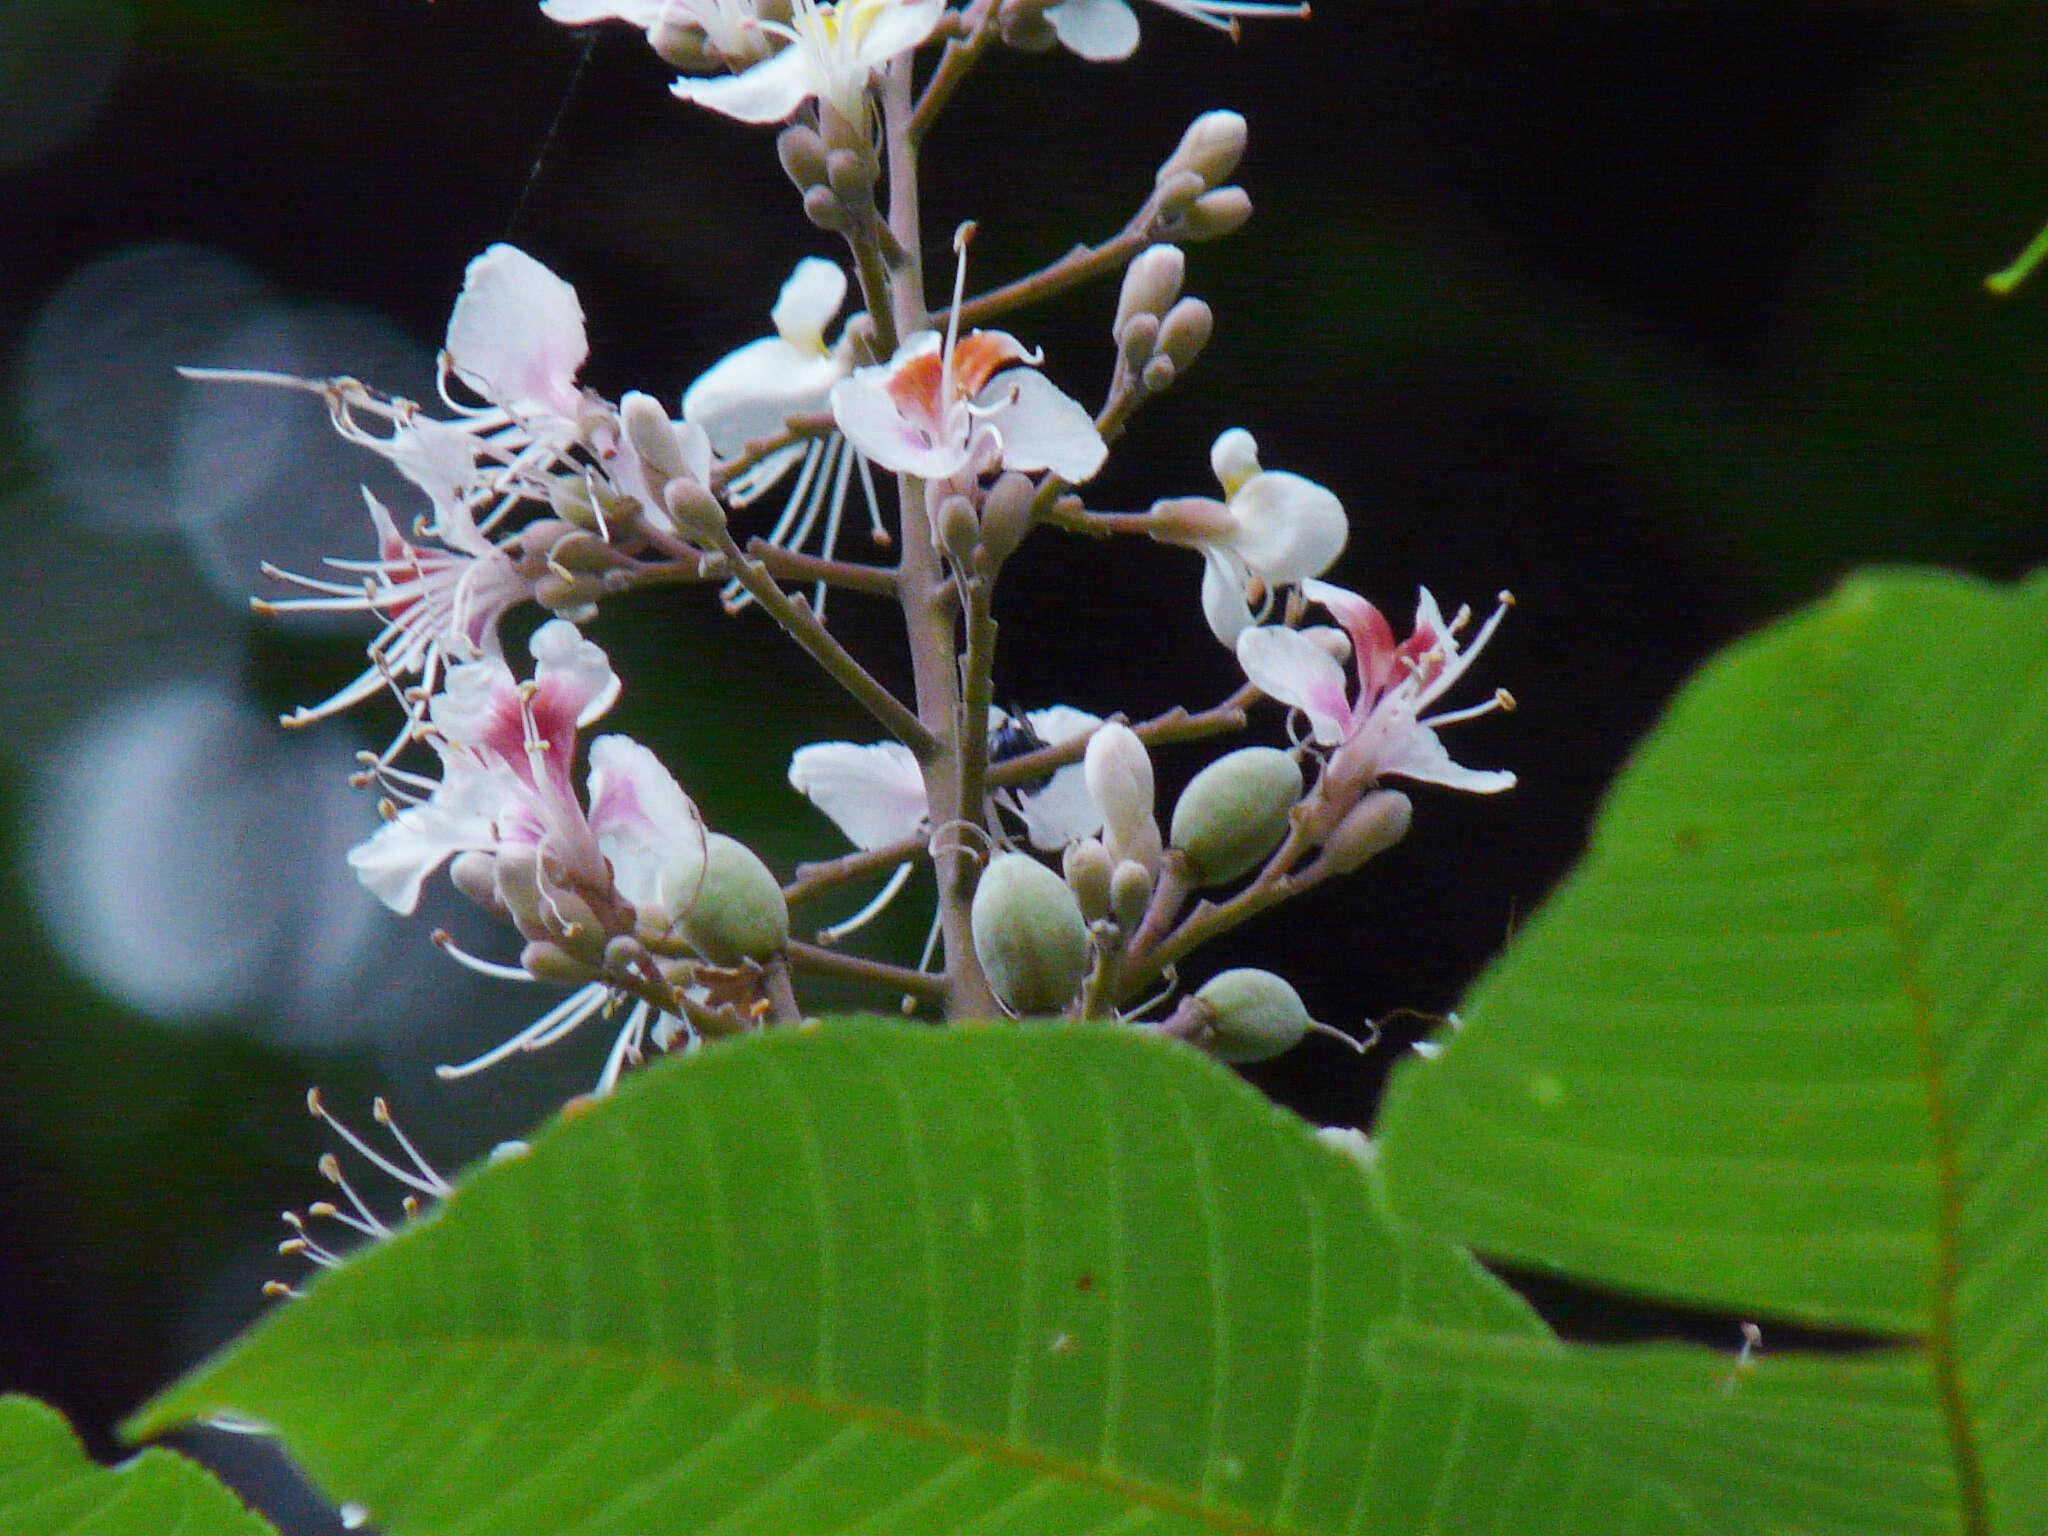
(839, 1407)
(1941, 1341)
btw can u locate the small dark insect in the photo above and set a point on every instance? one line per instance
(1012, 738)
(1085, 1283)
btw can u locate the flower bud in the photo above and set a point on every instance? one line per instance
(822, 208)
(739, 913)
(1234, 812)
(653, 436)
(851, 173)
(1256, 1016)
(570, 499)
(1216, 214)
(958, 529)
(684, 49)
(1006, 516)
(1087, 867)
(550, 962)
(1119, 774)
(1025, 28)
(1029, 935)
(695, 511)
(1177, 193)
(475, 874)
(569, 597)
(1137, 338)
(1368, 830)
(802, 154)
(1159, 374)
(1185, 331)
(1211, 148)
(1130, 893)
(1151, 283)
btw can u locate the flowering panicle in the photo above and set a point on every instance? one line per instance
(1064, 882)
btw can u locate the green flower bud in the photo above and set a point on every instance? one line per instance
(1029, 935)
(959, 530)
(1257, 1016)
(1006, 516)
(852, 173)
(1234, 812)
(824, 209)
(694, 510)
(1130, 893)
(1137, 338)
(739, 913)
(1159, 374)
(549, 962)
(652, 435)
(802, 154)
(1087, 868)
(569, 498)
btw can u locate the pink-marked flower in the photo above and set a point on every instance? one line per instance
(832, 51)
(516, 337)
(1272, 530)
(943, 408)
(506, 750)
(1377, 728)
(440, 598)
(1103, 31)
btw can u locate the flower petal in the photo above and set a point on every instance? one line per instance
(754, 391)
(570, 673)
(1288, 527)
(767, 93)
(576, 13)
(883, 433)
(874, 794)
(1286, 665)
(459, 817)
(891, 26)
(1042, 427)
(648, 828)
(1223, 595)
(1418, 753)
(808, 301)
(516, 336)
(1100, 31)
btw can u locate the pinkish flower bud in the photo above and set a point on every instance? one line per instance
(1210, 149)
(1151, 283)
(1119, 772)
(1086, 865)
(1368, 830)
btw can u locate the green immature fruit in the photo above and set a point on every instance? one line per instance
(1257, 1016)
(1028, 934)
(739, 913)
(1234, 812)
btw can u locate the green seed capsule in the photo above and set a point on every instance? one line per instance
(1257, 1016)
(1234, 812)
(739, 913)
(1028, 935)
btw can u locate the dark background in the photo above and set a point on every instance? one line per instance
(1662, 316)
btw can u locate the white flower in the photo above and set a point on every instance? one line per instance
(1274, 529)
(731, 27)
(1119, 777)
(516, 338)
(1105, 30)
(1378, 729)
(754, 391)
(440, 603)
(940, 409)
(832, 51)
(873, 793)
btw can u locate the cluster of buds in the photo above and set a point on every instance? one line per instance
(1059, 886)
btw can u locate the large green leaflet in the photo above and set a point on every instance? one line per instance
(49, 1485)
(877, 1278)
(1780, 1047)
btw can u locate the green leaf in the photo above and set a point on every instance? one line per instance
(1780, 1046)
(47, 1485)
(875, 1279)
